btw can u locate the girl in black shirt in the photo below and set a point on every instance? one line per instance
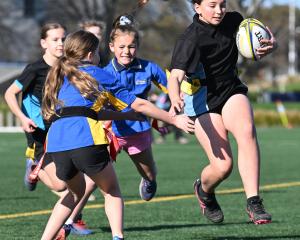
(204, 62)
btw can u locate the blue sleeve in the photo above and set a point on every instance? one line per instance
(159, 78)
(118, 96)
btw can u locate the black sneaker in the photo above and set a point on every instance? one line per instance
(256, 211)
(208, 203)
(147, 189)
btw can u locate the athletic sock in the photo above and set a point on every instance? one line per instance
(69, 221)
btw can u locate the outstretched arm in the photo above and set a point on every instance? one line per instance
(149, 109)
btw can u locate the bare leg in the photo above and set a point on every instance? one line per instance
(49, 178)
(145, 164)
(238, 119)
(90, 187)
(106, 180)
(64, 207)
(56, 185)
(212, 135)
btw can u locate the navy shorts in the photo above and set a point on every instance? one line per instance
(89, 160)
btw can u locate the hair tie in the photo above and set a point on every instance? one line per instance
(124, 20)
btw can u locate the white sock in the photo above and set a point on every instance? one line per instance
(69, 221)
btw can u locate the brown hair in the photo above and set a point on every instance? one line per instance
(124, 24)
(91, 23)
(76, 48)
(49, 26)
(196, 1)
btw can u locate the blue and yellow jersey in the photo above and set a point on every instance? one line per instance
(75, 132)
(137, 79)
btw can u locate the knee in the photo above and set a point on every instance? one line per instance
(224, 171)
(59, 186)
(72, 199)
(112, 190)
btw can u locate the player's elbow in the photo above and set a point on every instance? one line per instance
(10, 93)
(139, 105)
(7, 95)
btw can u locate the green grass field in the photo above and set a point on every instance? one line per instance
(174, 214)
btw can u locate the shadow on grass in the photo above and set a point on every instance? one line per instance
(265, 191)
(170, 226)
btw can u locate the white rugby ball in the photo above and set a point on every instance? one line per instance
(249, 36)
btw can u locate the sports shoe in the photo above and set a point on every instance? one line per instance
(117, 238)
(208, 203)
(256, 211)
(79, 228)
(63, 232)
(29, 184)
(147, 189)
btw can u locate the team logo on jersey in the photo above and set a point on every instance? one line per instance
(140, 82)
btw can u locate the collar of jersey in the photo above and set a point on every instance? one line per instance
(119, 67)
(210, 29)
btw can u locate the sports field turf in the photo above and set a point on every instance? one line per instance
(174, 214)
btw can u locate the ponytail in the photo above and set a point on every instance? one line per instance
(124, 24)
(52, 85)
(77, 46)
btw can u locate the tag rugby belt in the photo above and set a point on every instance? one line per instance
(75, 112)
(90, 113)
(191, 85)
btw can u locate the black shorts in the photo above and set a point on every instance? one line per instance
(37, 140)
(30, 140)
(212, 98)
(89, 160)
(216, 99)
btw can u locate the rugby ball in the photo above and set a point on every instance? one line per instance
(249, 36)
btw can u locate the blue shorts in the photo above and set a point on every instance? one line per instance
(195, 105)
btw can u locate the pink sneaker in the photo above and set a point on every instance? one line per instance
(79, 228)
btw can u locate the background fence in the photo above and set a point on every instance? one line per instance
(9, 122)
